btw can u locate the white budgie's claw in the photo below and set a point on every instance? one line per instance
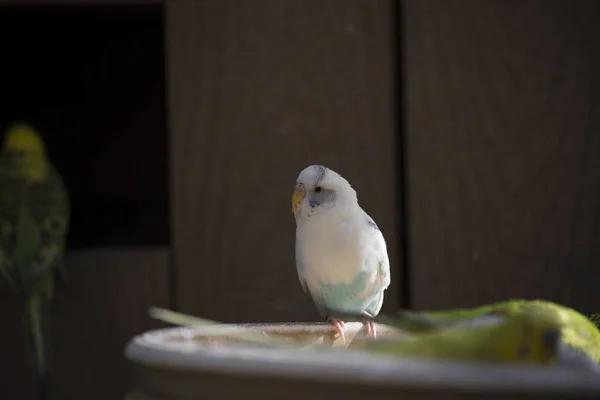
(339, 327)
(370, 325)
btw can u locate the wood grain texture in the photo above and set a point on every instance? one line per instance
(258, 91)
(102, 306)
(503, 151)
(79, 2)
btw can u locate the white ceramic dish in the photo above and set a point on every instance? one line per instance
(187, 350)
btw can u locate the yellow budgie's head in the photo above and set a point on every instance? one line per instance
(22, 137)
(24, 153)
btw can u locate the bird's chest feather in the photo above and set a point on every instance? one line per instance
(331, 253)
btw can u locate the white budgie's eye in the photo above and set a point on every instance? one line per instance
(318, 189)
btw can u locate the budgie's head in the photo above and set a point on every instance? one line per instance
(23, 138)
(23, 152)
(319, 189)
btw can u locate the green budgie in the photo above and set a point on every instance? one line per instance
(516, 331)
(34, 219)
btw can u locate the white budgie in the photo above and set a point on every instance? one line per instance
(341, 255)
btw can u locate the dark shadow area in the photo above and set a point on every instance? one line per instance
(91, 80)
(401, 159)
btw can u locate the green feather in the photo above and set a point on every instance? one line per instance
(34, 319)
(519, 338)
(27, 242)
(469, 332)
(37, 282)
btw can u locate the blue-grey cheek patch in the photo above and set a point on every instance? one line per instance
(324, 197)
(313, 203)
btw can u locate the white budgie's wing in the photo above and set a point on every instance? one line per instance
(384, 268)
(380, 247)
(300, 268)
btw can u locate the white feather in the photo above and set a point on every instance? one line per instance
(336, 244)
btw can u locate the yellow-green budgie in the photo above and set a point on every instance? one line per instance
(516, 331)
(34, 219)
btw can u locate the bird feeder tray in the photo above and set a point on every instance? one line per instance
(213, 363)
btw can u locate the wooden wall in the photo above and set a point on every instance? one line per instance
(495, 150)
(503, 151)
(258, 91)
(97, 310)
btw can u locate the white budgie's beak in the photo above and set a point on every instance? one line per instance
(297, 198)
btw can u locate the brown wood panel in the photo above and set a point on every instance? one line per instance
(78, 2)
(503, 149)
(258, 91)
(101, 306)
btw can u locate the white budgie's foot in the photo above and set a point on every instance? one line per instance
(339, 327)
(370, 325)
